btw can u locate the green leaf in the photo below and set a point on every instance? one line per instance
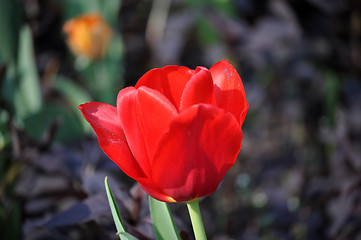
(332, 90)
(206, 33)
(77, 7)
(126, 236)
(4, 131)
(75, 96)
(27, 96)
(68, 128)
(10, 21)
(116, 215)
(114, 208)
(226, 7)
(163, 223)
(110, 9)
(11, 227)
(73, 93)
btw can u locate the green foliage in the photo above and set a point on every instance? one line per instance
(163, 223)
(21, 88)
(206, 33)
(103, 76)
(108, 8)
(10, 21)
(123, 235)
(102, 79)
(10, 209)
(10, 221)
(75, 96)
(331, 96)
(27, 96)
(64, 120)
(76, 7)
(4, 133)
(224, 6)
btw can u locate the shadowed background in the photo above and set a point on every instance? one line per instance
(298, 174)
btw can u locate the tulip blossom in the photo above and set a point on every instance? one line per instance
(88, 35)
(177, 132)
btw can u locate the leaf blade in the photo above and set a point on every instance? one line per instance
(114, 208)
(123, 235)
(10, 22)
(163, 223)
(27, 96)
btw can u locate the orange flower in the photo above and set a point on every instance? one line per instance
(88, 35)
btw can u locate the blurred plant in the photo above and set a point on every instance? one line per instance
(224, 6)
(97, 48)
(20, 97)
(88, 35)
(25, 115)
(157, 21)
(331, 97)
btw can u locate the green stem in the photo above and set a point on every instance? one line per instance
(196, 218)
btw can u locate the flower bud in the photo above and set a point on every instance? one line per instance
(88, 35)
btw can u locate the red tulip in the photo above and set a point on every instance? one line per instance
(177, 132)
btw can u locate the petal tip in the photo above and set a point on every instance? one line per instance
(81, 106)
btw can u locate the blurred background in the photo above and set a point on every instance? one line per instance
(298, 175)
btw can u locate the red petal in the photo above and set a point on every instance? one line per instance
(199, 89)
(169, 80)
(144, 114)
(229, 90)
(153, 191)
(200, 147)
(105, 121)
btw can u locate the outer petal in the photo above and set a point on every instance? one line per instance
(229, 90)
(144, 114)
(200, 147)
(199, 89)
(153, 191)
(169, 80)
(104, 120)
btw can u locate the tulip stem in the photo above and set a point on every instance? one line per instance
(196, 218)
